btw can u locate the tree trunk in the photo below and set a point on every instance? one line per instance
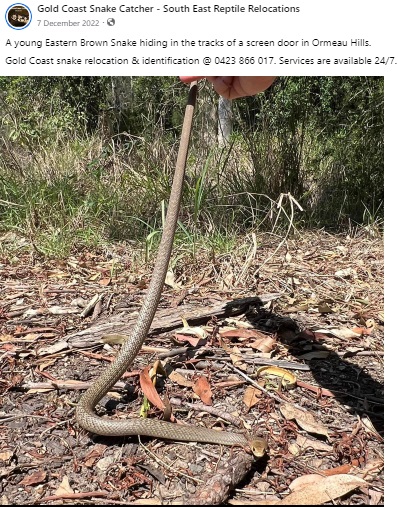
(224, 120)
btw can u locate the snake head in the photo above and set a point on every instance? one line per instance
(258, 446)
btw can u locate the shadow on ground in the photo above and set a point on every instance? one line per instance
(351, 385)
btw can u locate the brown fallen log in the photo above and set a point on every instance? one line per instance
(166, 319)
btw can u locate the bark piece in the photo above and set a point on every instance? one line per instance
(165, 320)
(218, 485)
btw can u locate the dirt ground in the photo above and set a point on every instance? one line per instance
(319, 403)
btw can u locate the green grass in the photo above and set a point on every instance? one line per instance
(85, 196)
(309, 153)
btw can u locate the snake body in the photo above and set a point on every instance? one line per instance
(85, 414)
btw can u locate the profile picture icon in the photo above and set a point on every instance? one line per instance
(18, 16)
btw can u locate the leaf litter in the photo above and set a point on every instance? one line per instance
(329, 315)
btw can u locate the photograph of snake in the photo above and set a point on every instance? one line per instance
(192, 288)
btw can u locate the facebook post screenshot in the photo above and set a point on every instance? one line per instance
(192, 227)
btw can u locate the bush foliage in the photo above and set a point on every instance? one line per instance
(88, 159)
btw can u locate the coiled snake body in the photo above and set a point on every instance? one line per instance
(85, 414)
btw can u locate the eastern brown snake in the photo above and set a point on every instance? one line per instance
(85, 415)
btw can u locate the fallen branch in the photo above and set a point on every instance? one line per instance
(218, 485)
(165, 320)
(72, 496)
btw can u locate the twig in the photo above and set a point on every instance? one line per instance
(146, 501)
(72, 496)
(52, 427)
(5, 418)
(291, 218)
(249, 260)
(91, 304)
(174, 352)
(288, 365)
(97, 309)
(347, 353)
(253, 382)
(59, 291)
(210, 410)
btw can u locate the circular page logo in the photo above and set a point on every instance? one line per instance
(18, 16)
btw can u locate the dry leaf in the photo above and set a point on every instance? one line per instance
(304, 419)
(59, 310)
(342, 469)
(55, 273)
(304, 481)
(191, 334)
(237, 359)
(33, 312)
(8, 347)
(346, 273)
(224, 345)
(180, 379)
(363, 330)
(372, 468)
(35, 478)
(265, 344)
(202, 389)
(147, 501)
(7, 338)
(343, 333)
(294, 449)
(105, 282)
(105, 463)
(238, 323)
(95, 453)
(375, 496)
(149, 389)
(288, 378)
(64, 487)
(45, 364)
(365, 420)
(306, 443)
(242, 333)
(192, 340)
(315, 389)
(54, 348)
(315, 490)
(227, 282)
(251, 396)
(6, 454)
(322, 489)
(298, 308)
(170, 281)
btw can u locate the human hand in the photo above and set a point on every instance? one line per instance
(232, 87)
